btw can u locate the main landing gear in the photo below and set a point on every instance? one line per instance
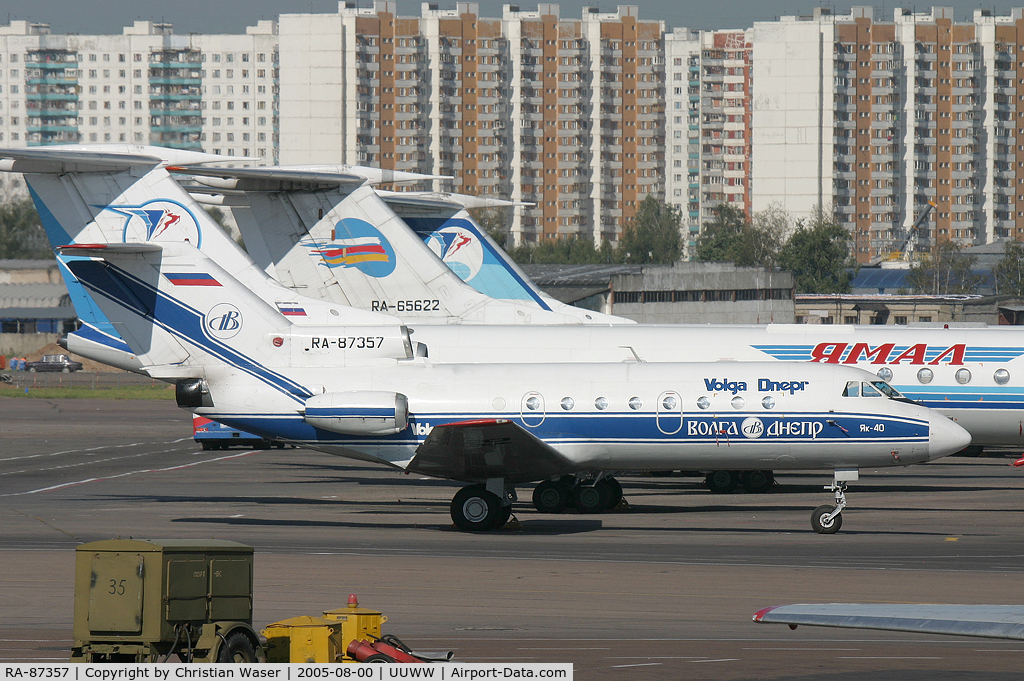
(725, 482)
(595, 495)
(482, 508)
(828, 519)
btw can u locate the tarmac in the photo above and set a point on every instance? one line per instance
(662, 590)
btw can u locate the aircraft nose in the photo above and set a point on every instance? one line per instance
(945, 437)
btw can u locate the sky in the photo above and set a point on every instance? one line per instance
(221, 16)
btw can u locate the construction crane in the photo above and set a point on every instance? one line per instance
(906, 250)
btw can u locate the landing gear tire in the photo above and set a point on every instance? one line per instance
(237, 648)
(591, 498)
(614, 491)
(474, 509)
(757, 482)
(822, 526)
(722, 482)
(503, 516)
(551, 496)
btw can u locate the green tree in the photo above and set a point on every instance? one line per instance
(947, 271)
(1009, 273)
(818, 255)
(576, 250)
(21, 232)
(653, 236)
(720, 240)
(730, 237)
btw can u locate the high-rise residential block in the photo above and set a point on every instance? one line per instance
(874, 119)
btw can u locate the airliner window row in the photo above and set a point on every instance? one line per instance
(671, 402)
(962, 375)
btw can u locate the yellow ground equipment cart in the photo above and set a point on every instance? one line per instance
(322, 639)
(144, 600)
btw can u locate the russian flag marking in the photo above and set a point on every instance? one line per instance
(192, 279)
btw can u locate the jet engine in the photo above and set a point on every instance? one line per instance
(361, 412)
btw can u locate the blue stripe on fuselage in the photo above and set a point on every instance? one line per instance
(614, 427)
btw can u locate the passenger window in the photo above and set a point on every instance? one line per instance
(868, 390)
(852, 389)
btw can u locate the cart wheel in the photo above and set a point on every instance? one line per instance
(237, 648)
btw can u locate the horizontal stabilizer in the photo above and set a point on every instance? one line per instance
(372, 175)
(268, 179)
(473, 451)
(46, 160)
(167, 155)
(173, 372)
(445, 199)
(987, 621)
(108, 249)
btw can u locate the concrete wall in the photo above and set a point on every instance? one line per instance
(711, 281)
(20, 344)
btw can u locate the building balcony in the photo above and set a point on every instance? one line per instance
(51, 96)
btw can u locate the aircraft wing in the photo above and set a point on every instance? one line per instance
(987, 621)
(268, 179)
(472, 451)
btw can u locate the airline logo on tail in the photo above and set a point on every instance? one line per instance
(159, 220)
(460, 251)
(224, 321)
(356, 243)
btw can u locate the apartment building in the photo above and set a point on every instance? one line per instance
(145, 86)
(563, 114)
(581, 118)
(877, 118)
(707, 122)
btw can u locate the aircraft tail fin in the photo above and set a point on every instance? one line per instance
(467, 249)
(102, 198)
(176, 307)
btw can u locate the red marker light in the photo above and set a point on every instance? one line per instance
(278, 342)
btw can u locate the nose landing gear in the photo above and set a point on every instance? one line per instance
(828, 519)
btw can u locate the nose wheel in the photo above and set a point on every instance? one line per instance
(828, 519)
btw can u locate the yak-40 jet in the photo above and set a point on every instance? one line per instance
(350, 382)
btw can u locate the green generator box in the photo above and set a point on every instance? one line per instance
(133, 598)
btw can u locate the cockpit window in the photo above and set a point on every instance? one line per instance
(852, 389)
(887, 389)
(866, 390)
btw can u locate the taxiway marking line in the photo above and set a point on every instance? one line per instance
(122, 475)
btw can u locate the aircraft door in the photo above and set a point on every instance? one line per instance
(532, 409)
(670, 412)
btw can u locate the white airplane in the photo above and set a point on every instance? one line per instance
(331, 236)
(350, 382)
(985, 621)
